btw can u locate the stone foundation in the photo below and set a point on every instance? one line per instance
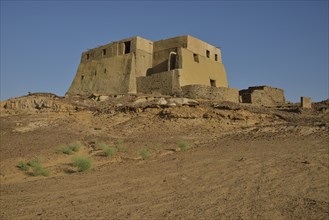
(211, 93)
(164, 83)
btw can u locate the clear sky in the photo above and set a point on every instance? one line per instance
(278, 43)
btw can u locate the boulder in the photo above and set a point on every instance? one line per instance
(162, 101)
(184, 101)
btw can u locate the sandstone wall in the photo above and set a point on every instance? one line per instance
(200, 47)
(110, 75)
(263, 95)
(212, 93)
(165, 83)
(201, 71)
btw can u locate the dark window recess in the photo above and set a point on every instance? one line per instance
(95, 72)
(82, 77)
(104, 52)
(88, 56)
(105, 70)
(172, 61)
(127, 47)
(196, 57)
(213, 83)
(216, 57)
(208, 53)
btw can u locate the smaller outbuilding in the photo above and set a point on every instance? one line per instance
(262, 95)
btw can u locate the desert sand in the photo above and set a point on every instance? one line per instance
(238, 161)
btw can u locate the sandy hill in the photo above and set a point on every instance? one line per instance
(162, 158)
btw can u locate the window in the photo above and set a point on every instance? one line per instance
(172, 60)
(95, 73)
(82, 77)
(88, 56)
(196, 57)
(105, 70)
(127, 47)
(216, 57)
(104, 52)
(212, 83)
(208, 53)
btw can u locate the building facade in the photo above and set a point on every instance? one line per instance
(137, 65)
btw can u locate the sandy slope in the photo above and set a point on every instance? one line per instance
(243, 163)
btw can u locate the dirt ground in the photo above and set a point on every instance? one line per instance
(240, 161)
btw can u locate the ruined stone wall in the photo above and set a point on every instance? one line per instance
(201, 70)
(165, 83)
(211, 93)
(262, 95)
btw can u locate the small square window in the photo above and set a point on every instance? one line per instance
(127, 47)
(196, 57)
(208, 53)
(213, 83)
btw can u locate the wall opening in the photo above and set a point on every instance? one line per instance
(212, 83)
(208, 53)
(95, 73)
(216, 57)
(104, 52)
(172, 61)
(127, 47)
(88, 56)
(105, 70)
(82, 76)
(196, 57)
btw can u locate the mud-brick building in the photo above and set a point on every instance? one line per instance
(175, 66)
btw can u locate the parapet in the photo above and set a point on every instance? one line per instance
(118, 48)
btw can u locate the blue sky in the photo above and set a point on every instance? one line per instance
(278, 43)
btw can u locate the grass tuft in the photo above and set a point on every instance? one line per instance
(75, 146)
(183, 145)
(82, 163)
(144, 153)
(65, 150)
(71, 148)
(37, 168)
(110, 151)
(121, 145)
(23, 166)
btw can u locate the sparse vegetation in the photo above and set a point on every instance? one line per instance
(65, 150)
(108, 151)
(183, 145)
(82, 163)
(71, 148)
(144, 153)
(75, 146)
(37, 168)
(121, 145)
(23, 166)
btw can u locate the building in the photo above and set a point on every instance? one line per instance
(262, 95)
(137, 65)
